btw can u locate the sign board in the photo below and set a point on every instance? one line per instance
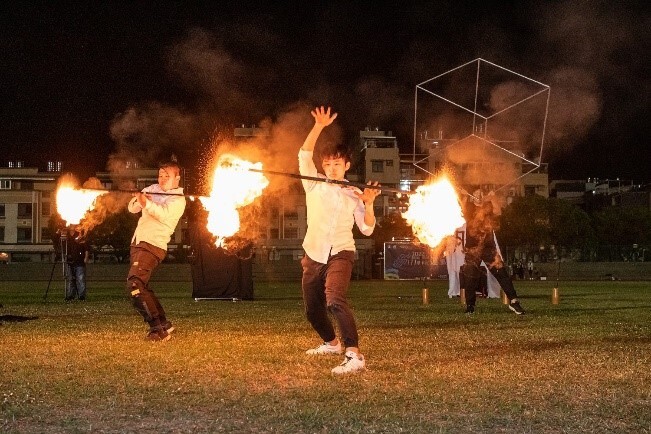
(408, 261)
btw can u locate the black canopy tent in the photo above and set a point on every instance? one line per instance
(217, 273)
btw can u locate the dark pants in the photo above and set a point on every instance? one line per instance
(76, 281)
(144, 259)
(324, 290)
(471, 273)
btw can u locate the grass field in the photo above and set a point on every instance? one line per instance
(580, 366)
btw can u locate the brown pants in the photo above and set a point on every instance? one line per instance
(324, 290)
(144, 259)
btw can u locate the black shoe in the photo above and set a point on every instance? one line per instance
(470, 309)
(515, 307)
(167, 325)
(158, 335)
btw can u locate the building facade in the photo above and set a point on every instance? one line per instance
(26, 204)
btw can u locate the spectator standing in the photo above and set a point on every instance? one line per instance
(77, 256)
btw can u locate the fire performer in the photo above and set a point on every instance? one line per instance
(329, 245)
(160, 215)
(481, 245)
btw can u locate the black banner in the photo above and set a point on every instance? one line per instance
(407, 261)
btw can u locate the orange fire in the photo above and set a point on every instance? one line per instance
(233, 187)
(434, 212)
(73, 203)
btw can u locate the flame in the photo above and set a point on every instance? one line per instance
(434, 212)
(233, 187)
(73, 203)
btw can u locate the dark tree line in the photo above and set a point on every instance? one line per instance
(554, 228)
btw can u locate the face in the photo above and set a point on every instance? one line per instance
(335, 168)
(168, 178)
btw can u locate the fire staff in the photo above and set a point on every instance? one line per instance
(160, 215)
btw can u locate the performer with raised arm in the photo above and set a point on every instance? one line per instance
(332, 210)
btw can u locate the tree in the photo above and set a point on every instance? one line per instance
(525, 224)
(116, 232)
(619, 228)
(389, 227)
(570, 229)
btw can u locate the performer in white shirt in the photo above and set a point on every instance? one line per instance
(160, 215)
(332, 209)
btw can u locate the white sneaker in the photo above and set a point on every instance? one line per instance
(352, 363)
(325, 348)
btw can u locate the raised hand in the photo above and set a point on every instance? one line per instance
(322, 116)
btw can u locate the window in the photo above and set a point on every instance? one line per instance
(291, 233)
(46, 208)
(45, 235)
(25, 211)
(5, 184)
(2, 234)
(377, 166)
(24, 235)
(291, 215)
(2, 210)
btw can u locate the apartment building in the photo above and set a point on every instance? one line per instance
(26, 204)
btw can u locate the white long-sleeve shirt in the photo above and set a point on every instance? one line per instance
(159, 217)
(331, 213)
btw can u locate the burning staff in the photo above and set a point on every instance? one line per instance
(434, 211)
(359, 185)
(102, 191)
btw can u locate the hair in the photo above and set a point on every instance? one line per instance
(171, 165)
(335, 151)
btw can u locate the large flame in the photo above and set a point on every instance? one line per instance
(233, 186)
(434, 212)
(73, 203)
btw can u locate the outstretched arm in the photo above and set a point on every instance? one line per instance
(322, 119)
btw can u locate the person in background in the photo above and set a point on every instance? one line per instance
(530, 269)
(332, 210)
(77, 256)
(160, 215)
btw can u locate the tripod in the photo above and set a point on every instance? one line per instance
(63, 245)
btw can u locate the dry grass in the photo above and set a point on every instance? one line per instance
(581, 366)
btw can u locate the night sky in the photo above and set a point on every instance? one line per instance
(81, 84)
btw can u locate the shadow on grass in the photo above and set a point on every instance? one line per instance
(16, 318)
